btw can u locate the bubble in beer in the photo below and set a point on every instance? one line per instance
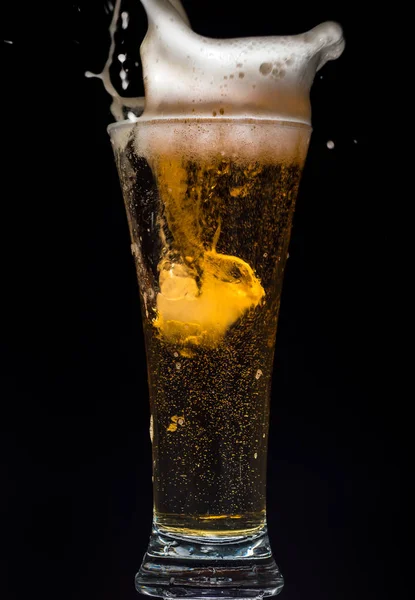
(265, 68)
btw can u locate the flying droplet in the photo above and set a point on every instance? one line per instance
(124, 18)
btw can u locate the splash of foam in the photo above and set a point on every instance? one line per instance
(186, 74)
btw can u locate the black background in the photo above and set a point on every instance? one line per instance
(75, 450)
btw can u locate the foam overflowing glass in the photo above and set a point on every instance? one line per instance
(210, 173)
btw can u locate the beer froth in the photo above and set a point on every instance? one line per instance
(186, 74)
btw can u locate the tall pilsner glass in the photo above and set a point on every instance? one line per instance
(210, 205)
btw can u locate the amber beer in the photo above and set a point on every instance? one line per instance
(210, 209)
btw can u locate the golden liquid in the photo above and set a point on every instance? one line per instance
(211, 242)
(202, 292)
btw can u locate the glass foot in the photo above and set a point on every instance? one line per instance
(176, 566)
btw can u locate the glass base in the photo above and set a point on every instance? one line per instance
(176, 566)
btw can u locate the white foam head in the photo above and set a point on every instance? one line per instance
(188, 75)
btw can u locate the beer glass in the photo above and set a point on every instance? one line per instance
(210, 204)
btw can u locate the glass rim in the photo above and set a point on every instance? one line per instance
(207, 119)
